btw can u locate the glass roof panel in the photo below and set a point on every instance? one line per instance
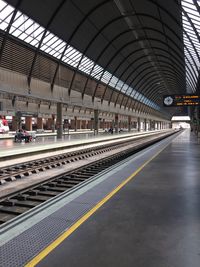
(192, 12)
(31, 32)
(3, 25)
(6, 12)
(2, 5)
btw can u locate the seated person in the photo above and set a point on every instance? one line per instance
(22, 135)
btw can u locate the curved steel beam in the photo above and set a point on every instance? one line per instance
(151, 90)
(73, 34)
(145, 84)
(178, 73)
(55, 13)
(121, 34)
(136, 77)
(191, 74)
(142, 78)
(154, 99)
(133, 72)
(97, 85)
(148, 91)
(153, 95)
(107, 25)
(8, 28)
(130, 65)
(155, 2)
(133, 81)
(192, 57)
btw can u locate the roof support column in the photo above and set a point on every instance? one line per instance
(152, 125)
(90, 124)
(53, 123)
(129, 123)
(145, 125)
(16, 121)
(96, 121)
(156, 125)
(103, 124)
(74, 124)
(59, 121)
(116, 123)
(138, 124)
(39, 123)
(28, 123)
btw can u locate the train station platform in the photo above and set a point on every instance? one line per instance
(46, 146)
(141, 212)
(49, 133)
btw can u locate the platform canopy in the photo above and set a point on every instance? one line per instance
(143, 48)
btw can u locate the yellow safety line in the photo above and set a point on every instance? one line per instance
(68, 232)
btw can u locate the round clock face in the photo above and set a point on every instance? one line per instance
(168, 100)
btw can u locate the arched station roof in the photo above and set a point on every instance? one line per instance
(143, 48)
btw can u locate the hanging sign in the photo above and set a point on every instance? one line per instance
(181, 100)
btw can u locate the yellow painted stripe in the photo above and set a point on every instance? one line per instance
(68, 232)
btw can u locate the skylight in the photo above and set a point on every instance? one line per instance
(191, 25)
(32, 33)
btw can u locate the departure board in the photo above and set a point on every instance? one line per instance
(181, 100)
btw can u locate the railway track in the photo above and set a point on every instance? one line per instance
(21, 201)
(19, 171)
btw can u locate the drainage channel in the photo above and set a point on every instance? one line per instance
(26, 199)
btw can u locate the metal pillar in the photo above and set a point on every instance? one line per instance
(103, 124)
(145, 125)
(150, 125)
(59, 121)
(75, 123)
(91, 122)
(53, 123)
(28, 123)
(116, 123)
(138, 124)
(129, 123)
(39, 123)
(96, 121)
(16, 123)
(157, 125)
(153, 125)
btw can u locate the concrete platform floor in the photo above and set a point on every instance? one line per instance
(14, 153)
(46, 138)
(153, 221)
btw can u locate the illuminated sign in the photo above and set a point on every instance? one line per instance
(181, 100)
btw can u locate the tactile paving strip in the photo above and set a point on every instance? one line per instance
(21, 249)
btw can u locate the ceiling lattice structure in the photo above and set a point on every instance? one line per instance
(143, 49)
